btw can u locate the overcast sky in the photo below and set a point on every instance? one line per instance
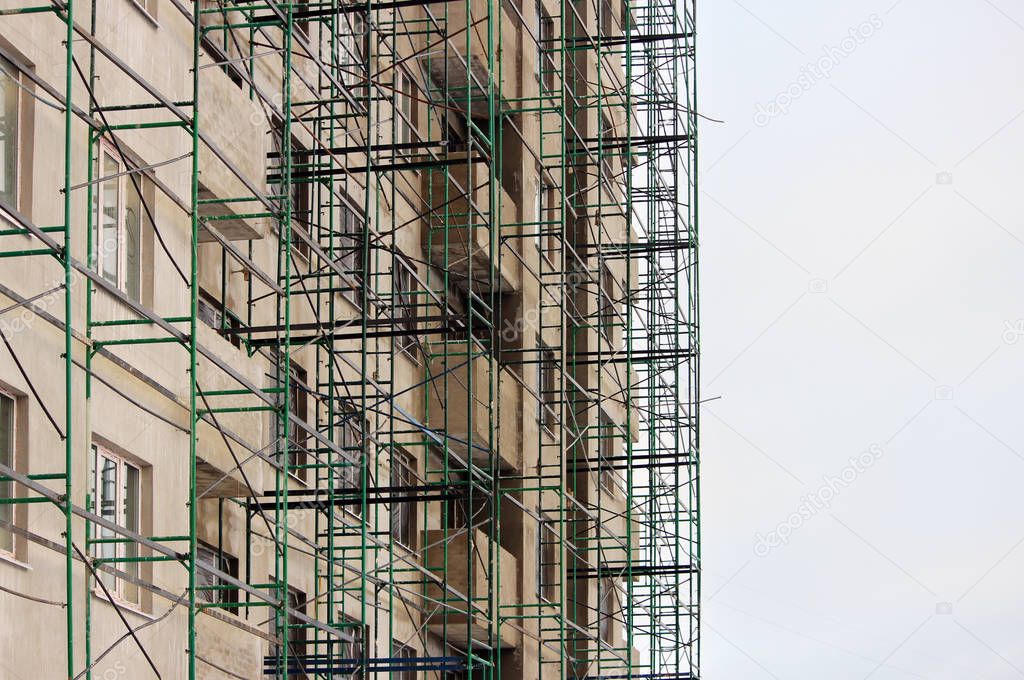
(862, 241)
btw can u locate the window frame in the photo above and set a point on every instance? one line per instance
(544, 593)
(10, 510)
(225, 562)
(350, 249)
(607, 314)
(355, 649)
(298, 645)
(405, 113)
(547, 379)
(607, 163)
(547, 222)
(606, 610)
(222, 318)
(355, 50)
(545, 35)
(116, 585)
(608, 450)
(351, 476)
(400, 650)
(16, 74)
(148, 9)
(300, 193)
(405, 304)
(298, 402)
(403, 513)
(126, 169)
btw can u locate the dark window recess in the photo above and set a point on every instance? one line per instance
(547, 383)
(350, 249)
(548, 564)
(298, 401)
(211, 588)
(213, 313)
(403, 513)
(350, 439)
(352, 651)
(607, 20)
(295, 634)
(607, 316)
(609, 450)
(606, 150)
(547, 70)
(404, 667)
(298, 189)
(404, 305)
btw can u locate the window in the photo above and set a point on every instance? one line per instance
(405, 112)
(606, 609)
(351, 252)
(546, 69)
(300, 19)
(404, 305)
(213, 589)
(549, 398)
(549, 224)
(216, 315)
(117, 494)
(350, 438)
(606, 19)
(352, 651)
(355, 46)
(299, 193)
(147, 6)
(295, 631)
(8, 428)
(608, 453)
(10, 132)
(605, 152)
(405, 666)
(297, 407)
(548, 563)
(120, 220)
(403, 513)
(607, 297)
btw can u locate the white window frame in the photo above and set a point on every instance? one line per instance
(607, 314)
(117, 589)
(608, 438)
(405, 111)
(222, 560)
(123, 178)
(404, 304)
(4, 552)
(16, 73)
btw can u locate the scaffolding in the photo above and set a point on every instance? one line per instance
(378, 335)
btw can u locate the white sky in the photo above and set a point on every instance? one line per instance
(855, 295)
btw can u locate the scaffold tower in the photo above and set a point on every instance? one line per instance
(349, 338)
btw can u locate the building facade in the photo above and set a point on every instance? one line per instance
(348, 338)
